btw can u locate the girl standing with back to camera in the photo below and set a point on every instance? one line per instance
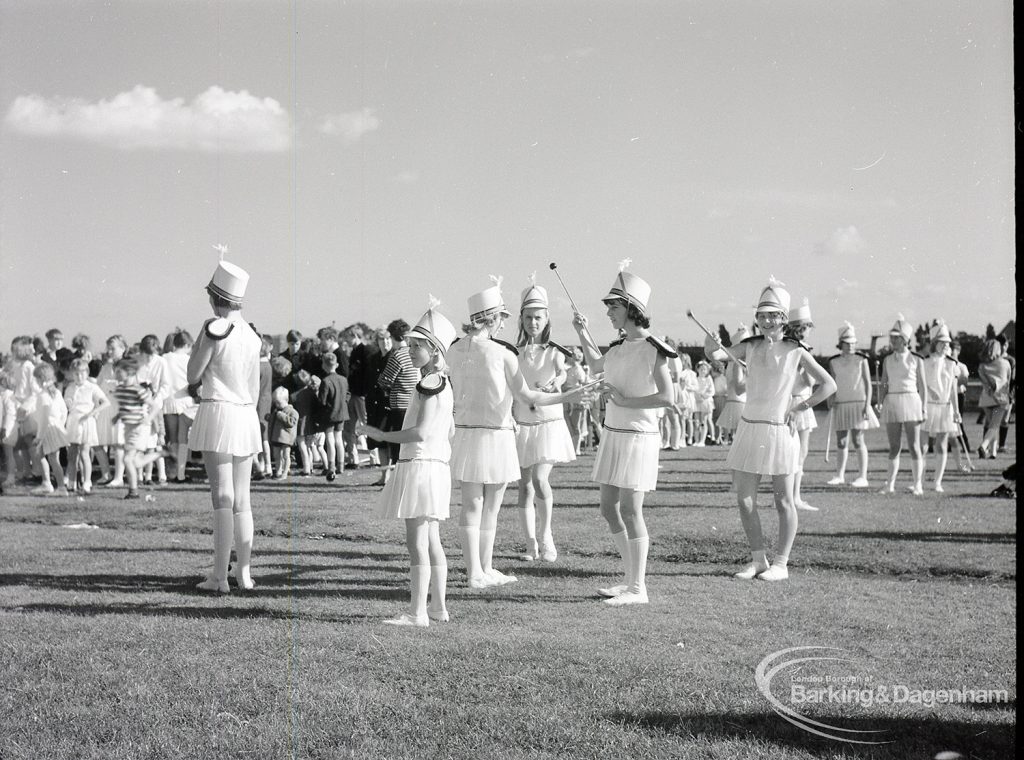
(851, 407)
(902, 393)
(542, 438)
(225, 360)
(638, 384)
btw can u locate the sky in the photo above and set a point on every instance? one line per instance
(358, 157)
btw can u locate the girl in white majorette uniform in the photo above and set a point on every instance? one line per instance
(736, 388)
(638, 384)
(485, 378)
(419, 490)
(902, 392)
(766, 441)
(225, 360)
(800, 323)
(942, 417)
(542, 438)
(851, 409)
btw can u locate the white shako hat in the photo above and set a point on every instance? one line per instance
(229, 280)
(487, 302)
(775, 297)
(902, 327)
(534, 297)
(802, 314)
(434, 327)
(941, 332)
(713, 351)
(847, 334)
(629, 288)
(741, 334)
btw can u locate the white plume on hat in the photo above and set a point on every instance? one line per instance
(629, 288)
(774, 297)
(434, 327)
(902, 327)
(488, 301)
(534, 296)
(229, 280)
(847, 334)
(940, 331)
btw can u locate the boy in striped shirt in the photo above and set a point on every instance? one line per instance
(135, 411)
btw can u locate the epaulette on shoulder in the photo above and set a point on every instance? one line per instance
(509, 346)
(802, 345)
(833, 358)
(561, 348)
(752, 339)
(950, 359)
(455, 341)
(663, 348)
(919, 356)
(618, 342)
(218, 328)
(432, 384)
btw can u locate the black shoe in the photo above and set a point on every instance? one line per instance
(351, 466)
(331, 476)
(186, 479)
(132, 495)
(257, 476)
(1004, 493)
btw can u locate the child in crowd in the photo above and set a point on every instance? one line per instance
(136, 406)
(704, 405)
(721, 384)
(51, 414)
(264, 462)
(902, 395)
(108, 432)
(942, 417)
(84, 400)
(735, 392)
(687, 399)
(419, 490)
(305, 403)
(179, 407)
(333, 397)
(282, 425)
(8, 427)
(152, 372)
(19, 369)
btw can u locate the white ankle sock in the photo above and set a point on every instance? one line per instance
(781, 560)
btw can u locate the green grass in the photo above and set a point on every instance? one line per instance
(107, 652)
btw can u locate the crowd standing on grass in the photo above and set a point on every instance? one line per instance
(427, 408)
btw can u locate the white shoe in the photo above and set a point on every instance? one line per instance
(750, 571)
(531, 552)
(406, 619)
(888, 489)
(939, 488)
(548, 553)
(439, 617)
(44, 490)
(774, 573)
(803, 506)
(114, 484)
(836, 481)
(628, 597)
(479, 582)
(860, 483)
(499, 578)
(212, 584)
(916, 490)
(613, 591)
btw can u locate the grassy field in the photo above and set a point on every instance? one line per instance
(106, 651)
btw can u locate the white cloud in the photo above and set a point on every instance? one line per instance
(217, 120)
(845, 241)
(350, 126)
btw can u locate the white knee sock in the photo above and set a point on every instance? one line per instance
(486, 549)
(419, 582)
(469, 537)
(437, 609)
(222, 536)
(243, 548)
(622, 544)
(528, 523)
(638, 548)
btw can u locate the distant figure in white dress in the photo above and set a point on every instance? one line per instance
(942, 416)
(851, 408)
(902, 393)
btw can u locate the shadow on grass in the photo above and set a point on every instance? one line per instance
(196, 613)
(957, 538)
(903, 737)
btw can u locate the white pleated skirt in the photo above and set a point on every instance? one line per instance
(484, 455)
(729, 419)
(902, 407)
(226, 429)
(627, 460)
(765, 449)
(805, 420)
(82, 432)
(108, 432)
(417, 488)
(849, 415)
(939, 418)
(53, 439)
(545, 442)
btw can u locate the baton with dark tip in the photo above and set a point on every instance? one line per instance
(554, 268)
(715, 338)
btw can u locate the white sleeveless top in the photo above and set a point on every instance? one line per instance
(772, 370)
(849, 378)
(629, 366)
(901, 371)
(482, 398)
(435, 445)
(537, 363)
(234, 369)
(940, 374)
